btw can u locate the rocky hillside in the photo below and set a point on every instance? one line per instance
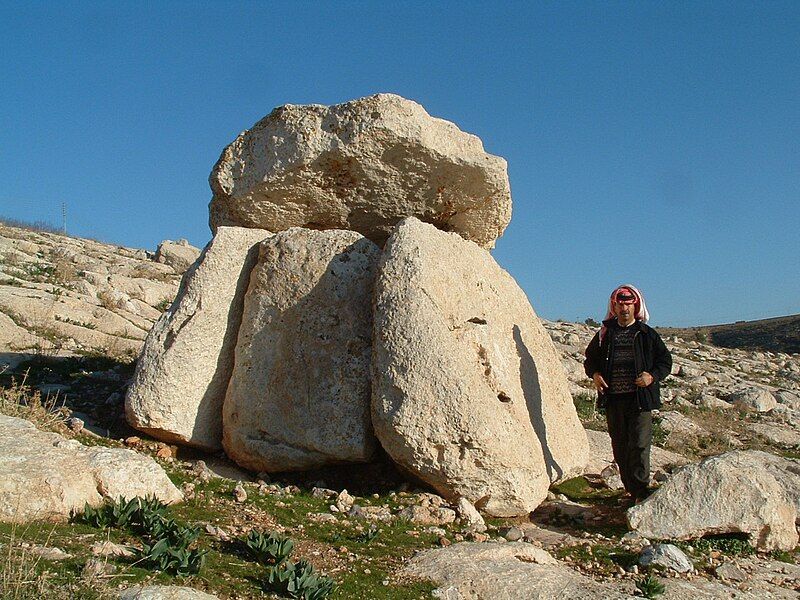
(779, 334)
(63, 295)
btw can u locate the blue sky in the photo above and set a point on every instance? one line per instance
(655, 143)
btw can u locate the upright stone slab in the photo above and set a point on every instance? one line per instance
(468, 391)
(183, 371)
(300, 389)
(362, 165)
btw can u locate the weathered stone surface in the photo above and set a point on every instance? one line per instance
(468, 392)
(668, 556)
(299, 394)
(470, 516)
(164, 592)
(509, 571)
(182, 375)
(753, 398)
(722, 494)
(44, 476)
(362, 165)
(781, 436)
(179, 255)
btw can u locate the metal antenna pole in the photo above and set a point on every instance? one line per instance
(64, 217)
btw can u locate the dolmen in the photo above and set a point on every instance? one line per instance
(348, 302)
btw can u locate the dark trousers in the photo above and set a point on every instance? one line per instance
(631, 431)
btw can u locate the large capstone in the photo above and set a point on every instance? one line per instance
(300, 390)
(182, 375)
(468, 391)
(362, 165)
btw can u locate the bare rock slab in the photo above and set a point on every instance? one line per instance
(179, 255)
(362, 165)
(164, 592)
(182, 374)
(732, 492)
(299, 395)
(45, 476)
(468, 391)
(509, 571)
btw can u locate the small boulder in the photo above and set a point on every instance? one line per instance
(668, 556)
(753, 399)
(722, 494)
(44, 476)
(179, 255)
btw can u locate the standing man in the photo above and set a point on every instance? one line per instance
(627, 360)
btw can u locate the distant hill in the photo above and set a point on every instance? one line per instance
(779, 334)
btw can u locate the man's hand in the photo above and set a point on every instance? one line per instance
(599, 383)
(644, 379)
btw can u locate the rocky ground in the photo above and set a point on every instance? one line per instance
(73, 315)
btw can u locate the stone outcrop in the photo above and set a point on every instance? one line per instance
(509, 571)
(299, 395)
(732, 492)
(468, 392)
(362, 165)
(182, 375)
(753, 398)
(179, 255)
(164, 592)
(45, 476)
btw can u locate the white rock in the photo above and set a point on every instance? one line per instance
(179, 255)
(44, 476)
(668, 556)
(362, 165)
(509, 571)
(722, 494)
(468, 391)
(753, 398)
(164, 592)
(470, 515)
(299, 395)
(182, 375)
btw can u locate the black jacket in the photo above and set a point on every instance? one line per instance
(649, 353)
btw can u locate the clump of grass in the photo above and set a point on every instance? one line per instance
(649, 586)
(163, 305)
(19, 573)
(268, 548)
(298, 580)
(18, 400)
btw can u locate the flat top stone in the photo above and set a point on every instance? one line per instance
(362, 165)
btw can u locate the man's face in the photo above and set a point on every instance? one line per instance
(625, 313)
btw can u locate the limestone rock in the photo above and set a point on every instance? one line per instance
(164, 592)
(470, 516)
(509, 571)
(44, 476)
(362, 165)
(722, 494)
(668, 556)
(182, 375)
(753, 398)
(299, 394)
(468, 391)
(179, 255)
